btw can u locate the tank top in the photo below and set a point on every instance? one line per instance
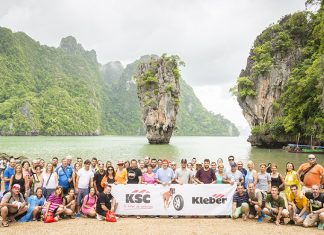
(248, 178)
(276, 181)
(21, 182)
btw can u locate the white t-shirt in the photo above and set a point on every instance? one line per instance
(84, 178)
(51, 182)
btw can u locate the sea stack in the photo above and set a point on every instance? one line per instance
(158, 91)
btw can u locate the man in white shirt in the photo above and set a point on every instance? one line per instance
(183, 174)
(84, 181)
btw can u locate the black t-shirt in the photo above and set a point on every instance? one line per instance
(97, 179)
(315, 203)
(104, 199)
(132, 175)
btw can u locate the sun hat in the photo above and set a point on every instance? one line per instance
(120, 162)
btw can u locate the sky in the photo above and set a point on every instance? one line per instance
(213, 37)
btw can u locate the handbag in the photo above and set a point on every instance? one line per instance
(44, 189)
(111, 217)
(49, 217)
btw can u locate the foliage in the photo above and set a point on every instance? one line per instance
(245, 87)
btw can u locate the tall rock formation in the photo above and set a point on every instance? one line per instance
(281, 89)
(158, 90)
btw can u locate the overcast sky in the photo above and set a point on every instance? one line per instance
(213, 37)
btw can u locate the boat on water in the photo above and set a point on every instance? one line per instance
(308, 149)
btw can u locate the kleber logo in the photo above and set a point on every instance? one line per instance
(214, 199)
(138, 196)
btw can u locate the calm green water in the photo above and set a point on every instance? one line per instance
(125, 147)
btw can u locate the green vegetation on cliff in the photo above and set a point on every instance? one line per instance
(297, 41)
(65, 91)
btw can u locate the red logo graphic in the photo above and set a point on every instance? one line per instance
(218, 196)
(140, 191)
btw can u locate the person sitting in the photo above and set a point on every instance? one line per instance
(35, 204)
(88, 207)
(106, 202)
(297, 206)
(69, 203)
(12, 205)
(240, 204)
(54, 203)
(316, 204)
(275, 206)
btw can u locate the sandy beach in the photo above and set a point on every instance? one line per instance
(156, 226)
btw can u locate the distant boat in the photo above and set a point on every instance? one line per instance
(297, 148)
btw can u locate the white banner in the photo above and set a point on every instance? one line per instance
(189, 199)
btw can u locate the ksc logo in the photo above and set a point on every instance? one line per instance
(214, 199)
(138, 196)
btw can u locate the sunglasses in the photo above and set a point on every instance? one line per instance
(110, 169)
(311, 158)
(231, 159)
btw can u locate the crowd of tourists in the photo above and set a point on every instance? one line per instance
(70, 189)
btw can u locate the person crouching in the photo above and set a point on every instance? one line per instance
(12, 205)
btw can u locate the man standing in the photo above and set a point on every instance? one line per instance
(233, 176)
(146, 161)
(69, 160)
(275, 206)
(54, 162)
(310, 173)
(240, 204)
(206, 175)
(241, 168)
(12, 204)
(98, 176)
(183, 174)
(84, 181)
(213, 166)
(165, 174)
(154, 165)
(264, 179)
(64, 173)
(106, 202)
(316, 214)
(297, 206)
(94, 162)
(9, 171)
(230, 161)
(134, 174)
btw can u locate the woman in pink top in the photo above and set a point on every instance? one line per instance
(149, 176)
(89, 203)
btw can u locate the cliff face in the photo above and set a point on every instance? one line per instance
(158, 90)
(281, 89)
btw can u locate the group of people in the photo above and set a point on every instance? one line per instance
(83, 188)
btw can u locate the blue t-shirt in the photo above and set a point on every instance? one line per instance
(164, 175)
(8, 173)
(63, 178)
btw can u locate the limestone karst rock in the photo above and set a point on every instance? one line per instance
(158, 90)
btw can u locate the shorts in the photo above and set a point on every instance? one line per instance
(311, 220)
(303, 217)
(238, 210)
(81, 194)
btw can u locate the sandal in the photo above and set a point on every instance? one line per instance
(5, 224)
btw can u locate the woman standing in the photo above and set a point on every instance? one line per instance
(75, 171)
(18, 178)
(291, 178)
(27, 173)
(149, 176)
(276, 178)
(142, 167)
(88, 207)
(36, 180)
(121, 173)
(251, 175)
(220, 173)
(109, 178)
(35, 204)
(50, 180)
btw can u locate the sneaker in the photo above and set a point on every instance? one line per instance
(262, 214)
(291, 222)
(138, 217)
(99, 217)
(320, 226)
(260, 219)
(77, 215)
